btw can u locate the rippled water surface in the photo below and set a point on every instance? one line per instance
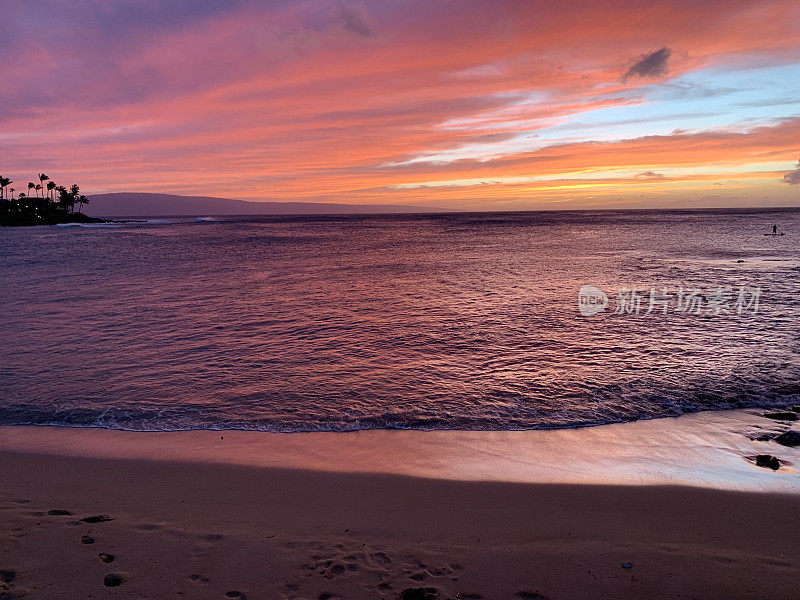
(465, 321)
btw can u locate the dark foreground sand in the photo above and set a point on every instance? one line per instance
(204, 530)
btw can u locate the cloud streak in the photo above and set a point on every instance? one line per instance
(355, 23)
(650, 66)
(793, 176)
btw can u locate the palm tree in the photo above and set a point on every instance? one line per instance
(12, 190)
(62, 197)
(51, 185)
(38, 188)
(74, 192)
(4, 182)
(42, 179)
(31, 186)
(81, 201)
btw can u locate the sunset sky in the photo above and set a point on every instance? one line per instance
(464, 104)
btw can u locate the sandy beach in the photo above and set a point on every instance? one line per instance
(247, 519)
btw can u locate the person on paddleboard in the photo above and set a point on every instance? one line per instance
(774, 229)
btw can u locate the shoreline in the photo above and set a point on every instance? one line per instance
(706, 449)
(651, 509)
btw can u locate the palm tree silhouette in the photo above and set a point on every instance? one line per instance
(4, 181)
(62, 197)
(44, 202)
(74, 192)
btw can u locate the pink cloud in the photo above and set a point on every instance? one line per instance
(313, 99)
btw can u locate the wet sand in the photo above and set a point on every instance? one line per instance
(470, 514)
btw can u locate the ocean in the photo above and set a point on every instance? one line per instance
(489, 321)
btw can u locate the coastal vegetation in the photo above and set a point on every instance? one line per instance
(44, 203)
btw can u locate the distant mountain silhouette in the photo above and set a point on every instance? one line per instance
(134, 204)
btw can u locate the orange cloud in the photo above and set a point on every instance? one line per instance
(346, 102)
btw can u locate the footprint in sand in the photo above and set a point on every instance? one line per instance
(114, 580)
(87, 539)
(531, 596)
(7, 591)
(106, 558)
(334, 570)
(197, 578)
(97, 519)
(58, 512)
(428, 593)
(7, 575)
(416, 570)
(235, 595)
(385, 571)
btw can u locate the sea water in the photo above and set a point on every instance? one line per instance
(451, 321)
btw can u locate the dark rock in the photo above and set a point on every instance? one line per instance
(97, 519)
(426, 593)
(57, 512)
(87, 539)
(762, 437)
(768, 462)
(627, 565)
(235, 594)
(789, 438)
(106, 558)
(7, 575)
(796, 408)
(782, 416)
(113, 580)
